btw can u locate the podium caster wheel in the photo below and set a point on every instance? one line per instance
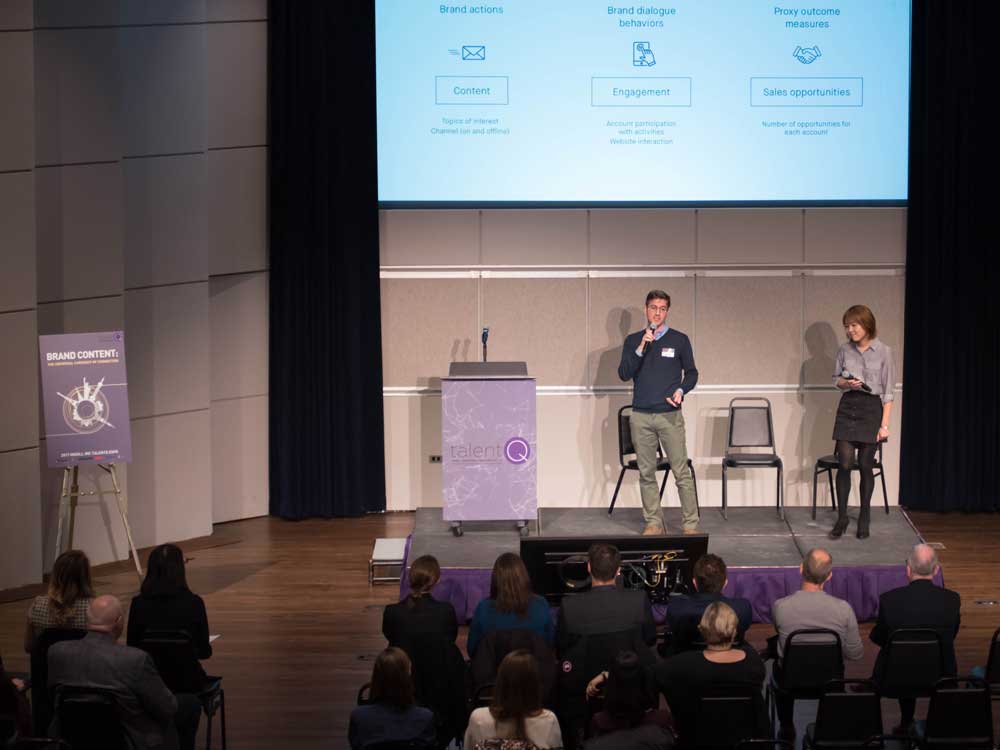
(457, 530)
(523, 529)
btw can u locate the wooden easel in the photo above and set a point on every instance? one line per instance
(67, 509)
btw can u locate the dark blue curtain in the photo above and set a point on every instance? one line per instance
(326, 434)
(950, 450)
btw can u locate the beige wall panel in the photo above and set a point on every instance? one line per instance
(21, 530)
(165, 220)
(412, 433)
(77, 93)
(239, 458)
(16, 14)
(83, 316)
(539, 321)
(167, 330)
(237, 84)
(237, 10)
(426, 324)
(617, 309)
(98, 528)
(17, 227)
(170, 478)
(429, 238)
(864, 235)
(158, 12)
(750, 235)
(17, 87)
(164, 89)
(56, 13)
(749, 329)
(237, 210)
(654, 236)
(747, 487)
(238, 313)
(535, 238)
(827, 297)
(19, 375)
(79, 229)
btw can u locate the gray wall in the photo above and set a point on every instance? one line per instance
(760, 291)
(132, 194)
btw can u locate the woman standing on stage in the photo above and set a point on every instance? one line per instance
(867, 375)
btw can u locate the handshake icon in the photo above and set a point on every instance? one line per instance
(807, 55)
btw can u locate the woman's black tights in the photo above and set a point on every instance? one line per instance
(866, 464)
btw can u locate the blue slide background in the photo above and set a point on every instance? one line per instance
(558, 148)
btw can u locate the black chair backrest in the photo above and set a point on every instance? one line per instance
(812, 657)
(625, 445)
(913, 663)
(496, 645)
(766, 745)
(993, 660)
(750, 426)
(365, 694)
(440, 680)
(173, 654)
(847, 716)
(39, 743)
(89, 719)
(725, 716)
(960, 715)
(41, 700)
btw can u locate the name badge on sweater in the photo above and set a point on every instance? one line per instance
(667, 352)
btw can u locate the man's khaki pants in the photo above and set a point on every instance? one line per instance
(666, 429)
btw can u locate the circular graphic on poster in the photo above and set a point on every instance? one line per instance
(86, 409)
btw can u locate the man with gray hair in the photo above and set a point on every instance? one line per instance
(812, 607)
(920, 604)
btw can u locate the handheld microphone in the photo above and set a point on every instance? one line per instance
(486, 335)
(645, 344)
(846, 375)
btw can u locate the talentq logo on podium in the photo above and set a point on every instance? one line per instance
(516, 451)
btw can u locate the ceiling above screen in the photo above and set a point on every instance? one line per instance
(584, 103)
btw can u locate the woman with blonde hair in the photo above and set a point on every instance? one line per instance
(866, 373)
(66, 603)
(511, 604)
(685, 678)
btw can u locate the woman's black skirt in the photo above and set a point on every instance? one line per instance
(859, 417)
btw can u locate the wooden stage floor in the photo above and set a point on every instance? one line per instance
(300, 625)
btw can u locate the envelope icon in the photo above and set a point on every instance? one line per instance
(473, 51)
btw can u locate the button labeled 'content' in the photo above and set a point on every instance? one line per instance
(472, 90)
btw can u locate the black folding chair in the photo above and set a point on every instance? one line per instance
(41, 699)
(173, 654)
(812, 658)
(827, 464)
(750, 426)
(766, 745)
(627, 448)
(911, 664)
(993, 665)
(88, 718)
(725, 717)
(960, 715)
(847, 718)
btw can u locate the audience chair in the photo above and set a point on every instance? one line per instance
(627, 448)
(911, 666)
(726, 716)
(365, 694)
(88, 718)
(751, 426)
(497, 644)
(828, 464)
(39, 743)
(993, 665)
(812, 658)
(960, 715)
(41, 700)
(440, 681)
(173, 654)
(888, 742)
(766, 745)
(846, 719)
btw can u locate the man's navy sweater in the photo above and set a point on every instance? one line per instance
(656, 374)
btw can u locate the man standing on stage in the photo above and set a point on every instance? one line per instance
(660, 363)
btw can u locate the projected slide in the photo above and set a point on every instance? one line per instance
(690, 101)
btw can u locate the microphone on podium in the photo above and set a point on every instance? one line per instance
(846, 375)
(645, 344)
(486, 335)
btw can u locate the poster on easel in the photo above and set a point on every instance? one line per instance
(85, 398)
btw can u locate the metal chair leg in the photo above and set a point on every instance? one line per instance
(663, 484)
(694, 481)
(614, 498)
(781, 505)
(885, 495)
(724, 513)
(833, 492)
(815, 477)
(222, 716)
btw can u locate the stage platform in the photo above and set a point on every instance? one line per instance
(761, 550)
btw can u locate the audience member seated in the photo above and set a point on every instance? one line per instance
(684, 612)
(920, 604)
(605, 608)
(145, 704)
(685, 678)
(14, 703)
(812, 607)
(65, 606)
(166, 604)
(511, 605)
(629, 698)
(391, 716)
(516, 711)
(420, 614)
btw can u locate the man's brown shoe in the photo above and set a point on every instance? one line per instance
(692, 530)
(653, 529)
